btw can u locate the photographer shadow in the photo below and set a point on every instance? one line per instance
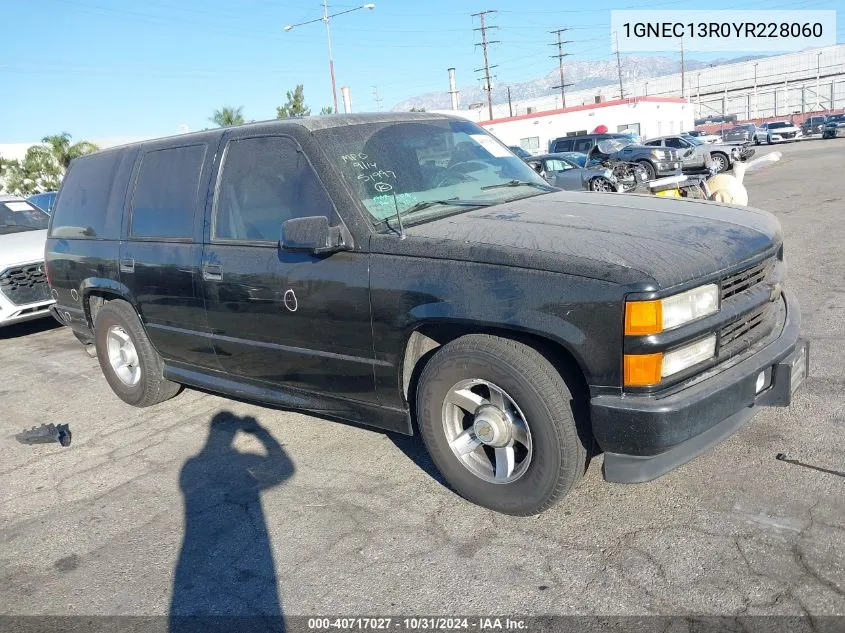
(225, 578)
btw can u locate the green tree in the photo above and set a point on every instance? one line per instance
(228, 116)
(38, 171)
(417, 110)
(326, 110)
(63, 151)
(295, 105)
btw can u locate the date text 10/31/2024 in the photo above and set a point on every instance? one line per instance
(418, 624)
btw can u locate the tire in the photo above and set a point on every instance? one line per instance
(756, 140)
(650, 173)
(768, 140)
(534, 390)
(601, 183)
(141, 382)
(722, 160)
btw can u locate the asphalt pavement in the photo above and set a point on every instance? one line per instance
(156, 510)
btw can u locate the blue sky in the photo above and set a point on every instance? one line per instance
(114, 68)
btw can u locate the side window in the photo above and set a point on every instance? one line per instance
(556, 165)
(563, 146)
(165, 196)
(676, 143)
(83, 209)
(656, 143)
(583, 145)
(264, 182)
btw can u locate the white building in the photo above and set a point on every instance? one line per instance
(646, 116)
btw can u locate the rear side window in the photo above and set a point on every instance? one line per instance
(82, 209)
(264, 182)
(166, 192)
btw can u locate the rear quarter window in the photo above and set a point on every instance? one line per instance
(82, 208)
(563, 146)
(165, 196)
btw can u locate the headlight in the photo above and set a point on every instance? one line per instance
(659, 315)
(656, 153)
(685, 357)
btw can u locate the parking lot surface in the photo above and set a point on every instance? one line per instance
(356, 522)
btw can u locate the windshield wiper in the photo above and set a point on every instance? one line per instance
(425, 204)
(519, 183)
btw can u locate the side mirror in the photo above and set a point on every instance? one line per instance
(314, 234)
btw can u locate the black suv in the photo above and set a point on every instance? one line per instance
(656, 162)
(407, 271)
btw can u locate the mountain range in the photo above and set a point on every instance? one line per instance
(582, 74)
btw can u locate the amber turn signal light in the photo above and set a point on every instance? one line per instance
(642, 370)
(643, 317)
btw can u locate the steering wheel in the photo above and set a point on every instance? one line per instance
(451, 174)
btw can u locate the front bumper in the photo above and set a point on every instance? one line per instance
(667, 168)
(645, 437)
(11, 313)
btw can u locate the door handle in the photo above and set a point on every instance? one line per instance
(127, 265)
(212, 272)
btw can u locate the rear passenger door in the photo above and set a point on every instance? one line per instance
(290, 319)
(160, 255)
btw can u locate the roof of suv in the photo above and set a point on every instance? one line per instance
(310, 123)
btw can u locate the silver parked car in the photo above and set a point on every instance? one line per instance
(693, 152)
(568, 171)
(745, 133)
(777, 131)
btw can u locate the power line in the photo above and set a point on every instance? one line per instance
(484, 43)
(377, 99)
(560, 55)
(619, 66)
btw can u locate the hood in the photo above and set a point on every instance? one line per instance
(623, 238)
(21, 248)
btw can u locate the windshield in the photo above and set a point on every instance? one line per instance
(19, 215)
(451, 165)
(835, 118)
(693, 140)
(577, 158)
(778, 124)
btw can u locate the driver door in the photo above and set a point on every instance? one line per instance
(563, 175)
(289, 319)
(695, 159)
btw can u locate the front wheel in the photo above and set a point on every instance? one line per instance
(601, 183)
(720, 162)
(129, 362)
(500, 424)
(650, 172)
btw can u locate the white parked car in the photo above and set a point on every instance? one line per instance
(704, 137)
(777, 131)
(24, 291)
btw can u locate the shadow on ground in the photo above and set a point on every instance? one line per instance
(225, 578)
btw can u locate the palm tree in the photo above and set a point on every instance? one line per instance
(63, 151)
(228, 116)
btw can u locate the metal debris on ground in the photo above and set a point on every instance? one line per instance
(45, 434)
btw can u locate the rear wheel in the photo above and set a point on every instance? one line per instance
(129, 362)
(500, 424)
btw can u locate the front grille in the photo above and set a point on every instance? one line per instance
(743, 332)
(744, 279)
(25, 284)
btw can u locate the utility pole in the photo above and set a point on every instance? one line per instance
(560, 55)
(484, 43)
(376, 98)
(619, 66)
(683, 78)
(510, 107)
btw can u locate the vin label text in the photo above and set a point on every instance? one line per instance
(730, 30)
